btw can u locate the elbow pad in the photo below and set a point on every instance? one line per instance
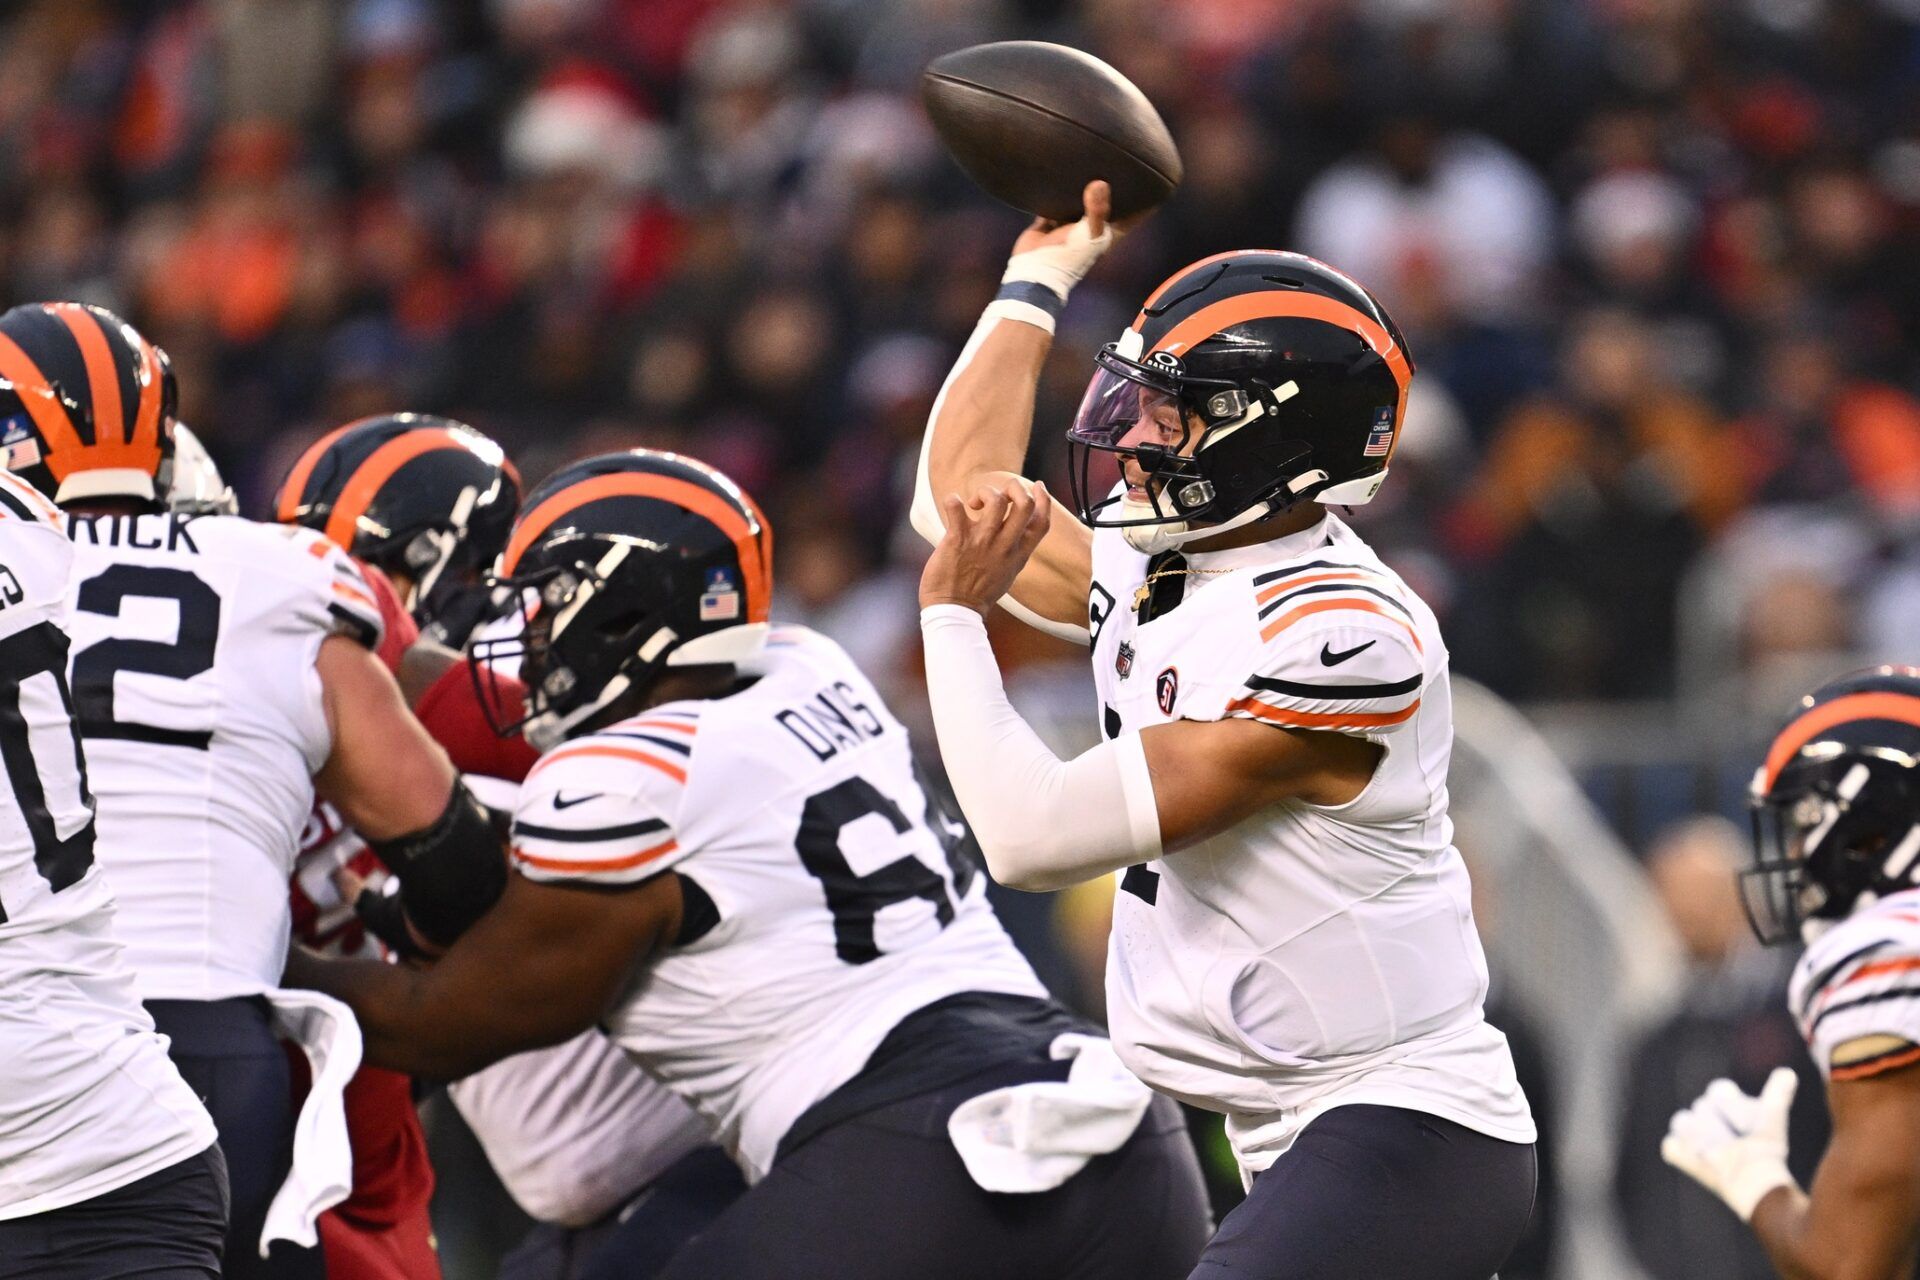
(453, 872)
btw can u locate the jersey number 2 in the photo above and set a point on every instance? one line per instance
(190, 653)
(855, 899)
(41, 651)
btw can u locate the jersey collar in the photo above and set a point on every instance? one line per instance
(1288, 547)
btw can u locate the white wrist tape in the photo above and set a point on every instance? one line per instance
(1060, 266)
(1042, 822)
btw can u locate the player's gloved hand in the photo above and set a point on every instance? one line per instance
(380, 910)
(1059, 256)
(1734, 1144)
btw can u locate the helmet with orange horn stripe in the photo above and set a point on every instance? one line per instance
(1836, 805)
(86, 404)
(424, 498)
(1248, 382)
(638, 561)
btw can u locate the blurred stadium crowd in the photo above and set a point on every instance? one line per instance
(1656, 260)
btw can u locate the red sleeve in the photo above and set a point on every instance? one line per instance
(450, 710)
(401, 629)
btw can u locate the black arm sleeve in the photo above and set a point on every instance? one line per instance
(450, 873)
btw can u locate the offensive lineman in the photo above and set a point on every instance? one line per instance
(221, 674)
(1836, 844)
(576, 1132)
(108, 1163)
(726, 855)
(1292, 941)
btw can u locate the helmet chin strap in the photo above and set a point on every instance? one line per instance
(1152, 539)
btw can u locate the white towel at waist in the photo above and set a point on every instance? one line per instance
(322, 1173)
(1033, 1137)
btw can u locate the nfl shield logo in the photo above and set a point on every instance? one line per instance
(1380, 435)
(721, 601)
(1123, 661)
(1166, 688)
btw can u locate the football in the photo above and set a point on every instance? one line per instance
(1033, 123)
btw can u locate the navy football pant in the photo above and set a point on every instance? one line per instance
(635, 1241)
(169, 1225)
(1379, 1193)
(228, 1054)
(883, 1195)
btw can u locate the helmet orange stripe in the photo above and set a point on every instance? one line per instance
(1829, 715)
(745, 534)
(295, 485)
(103, 380)
(1266, 304)
(46, 409)
(1187, 271)
(145, 431)
(364, 483)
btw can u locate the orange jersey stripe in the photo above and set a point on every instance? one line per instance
(1315, 720)
(1875, 1066)
(1854, 706)
(1281, 588)
(623, 753)
(672, 726)
(1864, 972)
(356, 595)
(621, 863)
(1292, 616)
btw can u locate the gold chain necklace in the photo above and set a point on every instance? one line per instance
(1146, 588)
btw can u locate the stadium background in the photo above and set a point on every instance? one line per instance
(1655, 259)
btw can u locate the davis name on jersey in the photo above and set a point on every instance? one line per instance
(1856, 991)
(88, 1099)
(194, 640)
(1310, 956)
(827, 896)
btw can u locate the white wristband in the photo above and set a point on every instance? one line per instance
(1060, 266)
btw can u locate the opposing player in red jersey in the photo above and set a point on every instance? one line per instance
(423, 504)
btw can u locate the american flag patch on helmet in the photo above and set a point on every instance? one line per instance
(1380, 437)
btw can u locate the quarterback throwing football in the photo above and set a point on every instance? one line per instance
(1292, 941)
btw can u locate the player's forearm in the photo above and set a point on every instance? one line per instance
(1042, 823)
(1806, 1245)
(404, 1029)
(983, 418)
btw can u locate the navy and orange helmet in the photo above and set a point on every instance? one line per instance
(86, 404)
(416, 495)
(1273, 378)
(1836, 805)
(630, 563)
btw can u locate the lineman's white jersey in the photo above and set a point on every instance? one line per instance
(576, 1130)
(840, 902)
(194, 639)
(89, 1101)
(1309, 957)
(1856, 991)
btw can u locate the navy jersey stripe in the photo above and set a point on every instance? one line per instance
(12, 502)
(1899, 993)
(1261, 580)
(1344, 587)
(571, 835)
(1821, 979)
(1335, 692)
(684, 748)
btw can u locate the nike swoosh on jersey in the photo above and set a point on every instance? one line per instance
(567, 802)
(1329, 657)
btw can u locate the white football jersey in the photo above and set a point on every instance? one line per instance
(576, 1130)
(1311, 956)
(1856, 991)
(89, 1101)
(827, 896)
(194, 639)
